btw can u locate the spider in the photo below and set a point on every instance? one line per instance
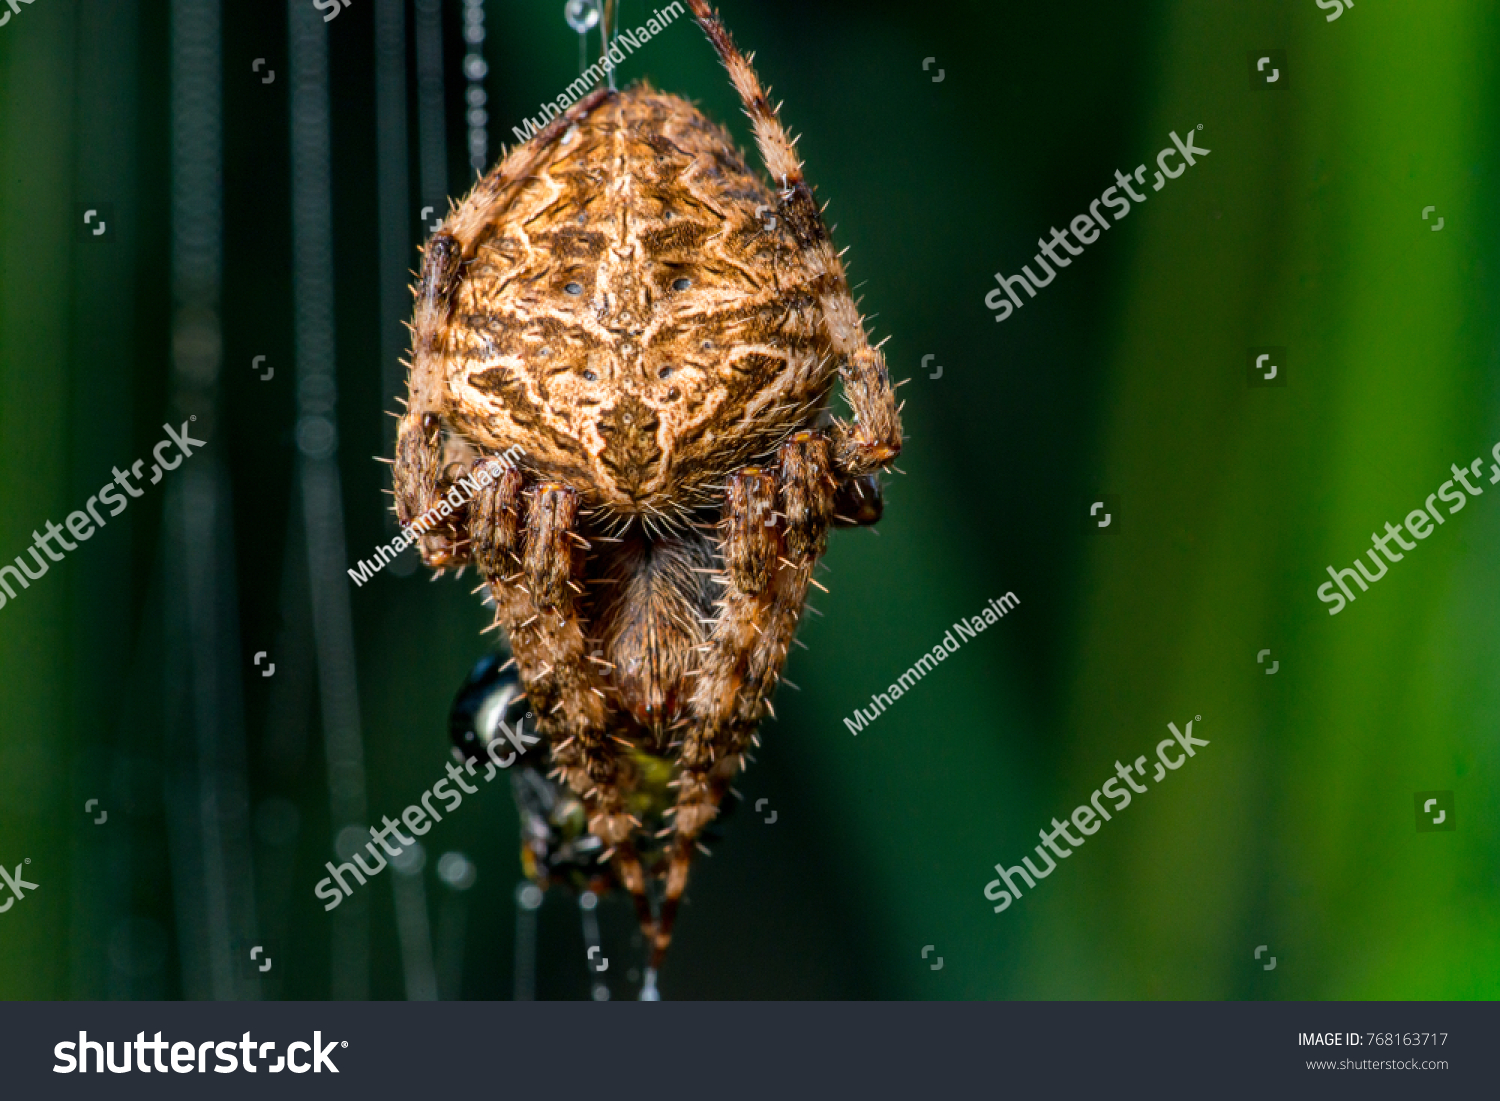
(660, 333)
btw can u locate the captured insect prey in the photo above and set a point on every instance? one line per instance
(651, 332)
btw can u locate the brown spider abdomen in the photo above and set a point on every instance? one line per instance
(634, 314)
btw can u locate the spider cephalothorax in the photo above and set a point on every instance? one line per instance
(658, 331)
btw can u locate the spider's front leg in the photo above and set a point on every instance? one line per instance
(769, 558)
(528, 549)
(873, 441)
(418, 490)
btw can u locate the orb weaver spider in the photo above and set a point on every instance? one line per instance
(660, 332)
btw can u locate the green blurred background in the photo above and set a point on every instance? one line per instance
(122, 681)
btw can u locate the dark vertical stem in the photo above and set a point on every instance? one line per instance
(204, 720)
(317, 470)
(394, 196)
(432, 117)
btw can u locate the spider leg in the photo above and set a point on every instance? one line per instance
(419, 478)
(419, 435)
(769, 559)
(873, 440)
(531, 569)
(771, 138)
(495, 517)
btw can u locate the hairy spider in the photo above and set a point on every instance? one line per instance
(659, 332)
